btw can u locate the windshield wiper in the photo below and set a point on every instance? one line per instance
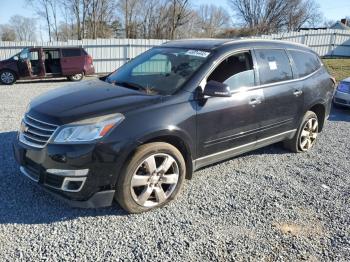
(130, 85)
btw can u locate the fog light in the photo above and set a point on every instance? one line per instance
(65, 172)
(73, 184)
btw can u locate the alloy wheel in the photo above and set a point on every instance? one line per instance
(7, 77)
(308, 134)
(77, 77)
(154, 180)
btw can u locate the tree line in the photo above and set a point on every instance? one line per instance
(60, 20)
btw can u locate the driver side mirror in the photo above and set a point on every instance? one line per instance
(217, 89)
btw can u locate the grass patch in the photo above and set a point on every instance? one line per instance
(339, 68)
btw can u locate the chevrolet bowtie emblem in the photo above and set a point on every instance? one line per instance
(24, 128)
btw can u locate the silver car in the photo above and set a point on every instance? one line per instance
(342, 95)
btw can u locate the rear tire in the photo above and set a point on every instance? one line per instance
(306, 134)
(76, 77)
(151, 178)
(7, 77)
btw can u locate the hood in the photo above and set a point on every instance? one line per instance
(85, 100)
(5, 62)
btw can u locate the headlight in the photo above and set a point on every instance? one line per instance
(344, 87)
(88, 130)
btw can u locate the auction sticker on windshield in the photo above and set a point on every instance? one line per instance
(197, 53)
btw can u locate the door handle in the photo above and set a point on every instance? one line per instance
(254, 101)
(297, 93)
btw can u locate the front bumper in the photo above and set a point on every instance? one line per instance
(342, 99)
(92, 189)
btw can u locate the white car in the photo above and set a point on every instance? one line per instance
(342, 94)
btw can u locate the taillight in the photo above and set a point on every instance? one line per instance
(89, 60)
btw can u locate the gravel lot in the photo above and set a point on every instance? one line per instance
(265, 205)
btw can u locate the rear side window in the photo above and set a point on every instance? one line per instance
(273, 65)
(305, 63)
(71, 52)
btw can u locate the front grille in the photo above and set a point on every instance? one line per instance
(36, 133)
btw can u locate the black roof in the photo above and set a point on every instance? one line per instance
(212, 44)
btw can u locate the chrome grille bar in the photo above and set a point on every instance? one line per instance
(35, 132)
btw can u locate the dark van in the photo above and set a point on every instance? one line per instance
(136, 134)
(41, 62)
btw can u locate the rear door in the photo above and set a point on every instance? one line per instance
(226, 125)
(72, 61)
(283, 97)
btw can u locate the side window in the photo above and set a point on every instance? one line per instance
(273, 65)
(158, 64)
(305, 62)
(24, 54)
(34, 56)
(66, 52)
(52, 54)
(236, 71)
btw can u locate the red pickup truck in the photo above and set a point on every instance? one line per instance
(50, 62)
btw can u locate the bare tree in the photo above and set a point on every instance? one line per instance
(43, 9)
(130, 10)
(7, 33)
(53, 6)
(212, 20)
(24, 28)
(267, 16)
(179, 15)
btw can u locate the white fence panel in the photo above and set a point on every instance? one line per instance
(328, 42)
(109, 54)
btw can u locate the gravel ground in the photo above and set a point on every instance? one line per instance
(265, 205)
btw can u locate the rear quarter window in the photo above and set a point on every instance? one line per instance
(273, 65)
(66, 52)
(305, 62)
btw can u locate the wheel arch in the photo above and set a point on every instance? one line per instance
(320, 110)
(174, 138)
(9, 69)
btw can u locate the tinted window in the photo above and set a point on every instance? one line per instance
(273, 66)
(159, 70)
(158, 64)
(305, 62)
(235, 71)
(71, 52)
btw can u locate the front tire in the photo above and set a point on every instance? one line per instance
(7, 77)
(305, 137)
(151, 178)
(76, 77)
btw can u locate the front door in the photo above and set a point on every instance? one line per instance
(31, 63)
(23, 64)
(228, 126)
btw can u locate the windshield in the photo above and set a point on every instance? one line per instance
(159, 70)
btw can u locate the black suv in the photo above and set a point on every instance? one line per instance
(136, 134)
